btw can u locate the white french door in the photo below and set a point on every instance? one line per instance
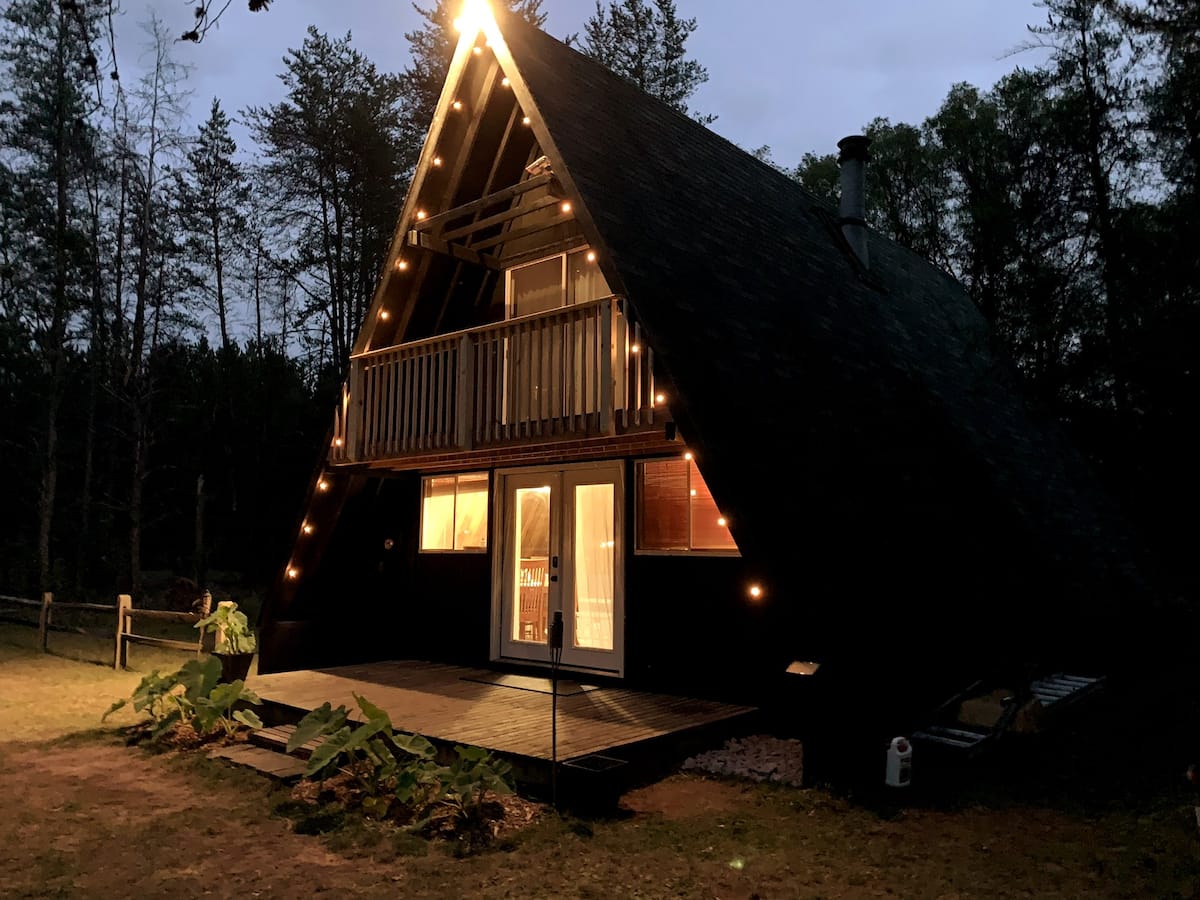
(561, 550)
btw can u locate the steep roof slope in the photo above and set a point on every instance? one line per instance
(857, 427)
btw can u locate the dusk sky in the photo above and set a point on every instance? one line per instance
(794, 75)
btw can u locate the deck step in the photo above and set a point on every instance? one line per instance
(268, 762)
(276, 738)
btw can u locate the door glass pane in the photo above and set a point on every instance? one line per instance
(538, 287)
(595, 551)
(531, 551)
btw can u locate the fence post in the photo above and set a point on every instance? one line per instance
(354, 413)
(44, 621)
(607, 385)
(121, 652)
(207, 638)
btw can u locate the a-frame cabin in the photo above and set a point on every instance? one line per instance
(617, 367)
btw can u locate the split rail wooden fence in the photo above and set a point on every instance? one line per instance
(126, 615)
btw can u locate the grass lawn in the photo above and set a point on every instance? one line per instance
(88, 816)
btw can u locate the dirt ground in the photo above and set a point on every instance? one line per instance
(90, 817)
(83, 815)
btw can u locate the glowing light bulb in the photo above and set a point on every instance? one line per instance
(474, 15)
(693, 492)
(755, 591)
(337, 442)
(591, 257)
(636, 348)
(457, 106)
(402, 265)
(322, 485)
(505, 82)
(566, 207)
(660, 398)
(688, 456)
(478, 51)
(437, 161)
(308, 529)
(526, 120)
(421, 215)
(293, 573)
(722, 522)
(384, 315)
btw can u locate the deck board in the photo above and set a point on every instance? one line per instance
(434, 700)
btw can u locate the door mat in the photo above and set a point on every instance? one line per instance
(531, 683)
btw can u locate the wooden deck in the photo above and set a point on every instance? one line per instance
(434, 700)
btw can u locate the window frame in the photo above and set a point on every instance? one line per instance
(637, 515)
(564, 280)
(487, 518)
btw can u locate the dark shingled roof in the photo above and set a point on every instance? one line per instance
(858, 429)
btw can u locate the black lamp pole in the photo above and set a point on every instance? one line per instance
(556, 647)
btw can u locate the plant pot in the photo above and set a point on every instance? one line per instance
(234, 666)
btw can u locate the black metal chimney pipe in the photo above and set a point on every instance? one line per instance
(852, 210)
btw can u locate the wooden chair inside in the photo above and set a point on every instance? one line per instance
(535, 594)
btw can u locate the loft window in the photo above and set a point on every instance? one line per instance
(676, 512)
(551, 283)
(454, 512)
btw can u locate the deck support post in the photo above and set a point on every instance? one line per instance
(465, 399)
(121, 652)
(354, 413)
(608, 387)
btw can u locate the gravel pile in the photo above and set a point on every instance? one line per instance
(759, 757)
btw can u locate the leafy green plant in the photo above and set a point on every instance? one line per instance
(232, 629)
(397, 772)
(192, 695)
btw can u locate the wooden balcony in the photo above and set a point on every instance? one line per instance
(576, 372)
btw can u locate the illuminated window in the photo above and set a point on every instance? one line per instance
(676, 513)
(555, 282)
(454, 511)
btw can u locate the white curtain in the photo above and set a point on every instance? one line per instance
(595, 553)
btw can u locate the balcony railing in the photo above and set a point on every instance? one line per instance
(579, 371)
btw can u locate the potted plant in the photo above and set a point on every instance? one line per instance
(235, 642)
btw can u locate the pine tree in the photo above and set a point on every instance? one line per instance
(213, 192)
(647, 45)
(46, 47)
(334, 160)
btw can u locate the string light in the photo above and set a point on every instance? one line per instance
(636, 348)
(293, 573)
(384, 315)
(478, 51)
(526, 120)
(688, 456)
(402, 264)
(756, 591)
(722, 521)
(591, 257)
(337, 442)
(308, 529)
(421, 215)
(457, 106)
(437, 162)
(566, 207)
(693, 492)
(322, 485)
(660, 399)
(504, 81)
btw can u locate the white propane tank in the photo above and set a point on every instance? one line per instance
(899, 763)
